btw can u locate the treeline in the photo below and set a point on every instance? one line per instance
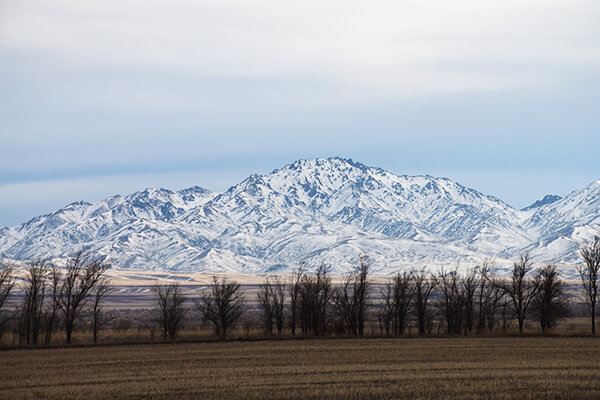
(308, 302)
(55, 299)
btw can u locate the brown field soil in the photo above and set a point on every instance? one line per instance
(430, 368)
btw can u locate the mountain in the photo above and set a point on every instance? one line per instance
(560, 227)
(314, 210)
(106, 227)
(548, 199)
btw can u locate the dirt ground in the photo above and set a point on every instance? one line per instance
(428, 368)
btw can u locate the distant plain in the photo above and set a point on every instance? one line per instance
(132, 289)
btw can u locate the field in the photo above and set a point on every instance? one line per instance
(472, 368)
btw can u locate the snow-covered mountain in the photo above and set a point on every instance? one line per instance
(560, 227)
(329, 210)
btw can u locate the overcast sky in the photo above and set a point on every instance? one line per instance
(112, 96)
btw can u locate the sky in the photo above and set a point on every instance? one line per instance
(106, 97)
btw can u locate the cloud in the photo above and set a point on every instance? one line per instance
(142, 87)
(379, 49)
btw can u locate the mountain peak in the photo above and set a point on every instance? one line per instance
(548, 199)
(194, 190)
(320, 162)
(320, 209)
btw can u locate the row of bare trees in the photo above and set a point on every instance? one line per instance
(55, 298)
(454, 301)
(458, 302)
(312, 299)
(474, 300)
(221, 305)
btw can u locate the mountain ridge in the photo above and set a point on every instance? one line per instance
(329, 209)
(547, 199)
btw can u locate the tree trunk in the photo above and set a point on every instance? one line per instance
(95, 329)
(593, 318)
(421, 326)
(69, 331)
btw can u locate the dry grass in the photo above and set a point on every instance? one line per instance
(482, 368)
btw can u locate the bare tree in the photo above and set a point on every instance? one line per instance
(488, 297)
(469, 288)
(345, 305)
(424, 285)
(456, 302)
(32, 309)
(361, 293)
(403, 291)
(265, 303)
(482, 286)
(397, 297)
(451, 300)
(314, 301)
(386, 311)
(99, 317)
(7, 283)
(295, 281)
(551, 302)
(170, 314)
(504, 307)
(350, 299)
(51, 315)
(222, 304)
(278, 300)
(589, 276)
(520, 290)
(81, 276)
(271, 299)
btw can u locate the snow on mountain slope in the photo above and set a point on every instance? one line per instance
(93, 225)
(373, 200)
(328, 210)
(562, 225)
